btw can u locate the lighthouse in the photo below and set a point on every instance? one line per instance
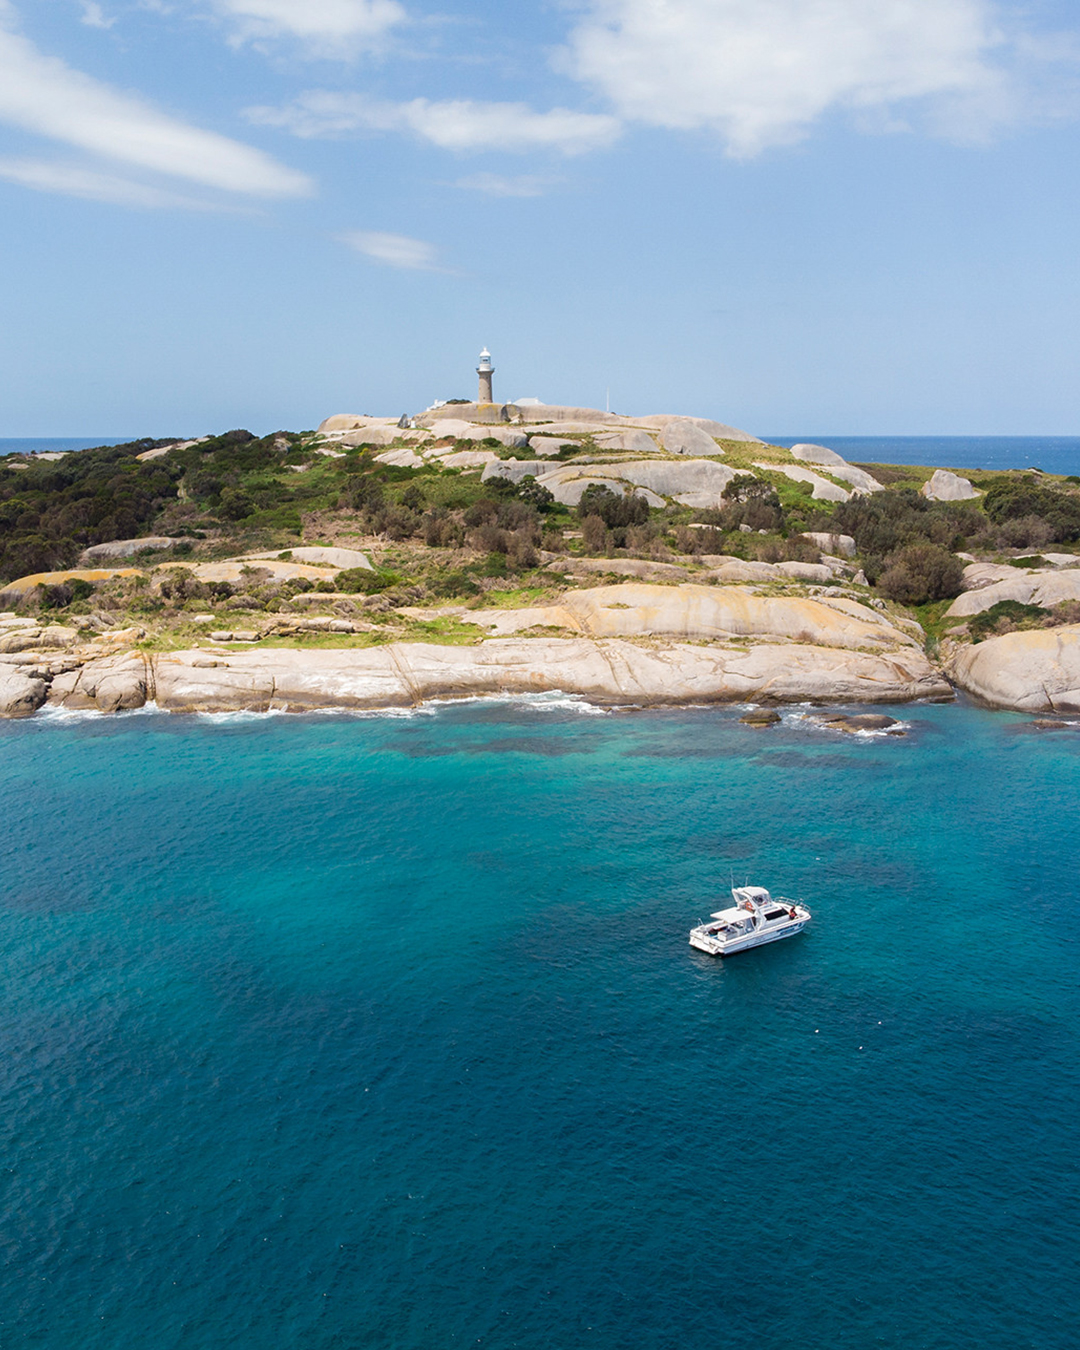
(485, 370)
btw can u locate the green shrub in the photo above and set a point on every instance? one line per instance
(749, 501)
(359, 580)
(235, 504)
(883, 522)
(594, 534)
(535, 494)
(55, 597)
(920, 573)
(1005, 614)
(454, 583)
(745, 487)
(616, 509)
(1012, 499)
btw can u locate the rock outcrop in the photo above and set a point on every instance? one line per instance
(716, 430)
(514, 469)
(618, 672)
(1044, 586)
(680, 436)
(1034, 671)
(512, 439)
(14, 591)
(638, 442)
(405, 457)
(855, 724)
(235, 569)
(841, 544)
(126, 548)
(372, 435)
(823, 490)
(567, 485)
(22, 690)
(836, 465)
(109, 684)
(979, 575)
(810, 453)
(644, 568)
(710, 612)
(26, 637)
(320, 556)
(944, 486)
(550, 446)
(698, 483)
(353, 422)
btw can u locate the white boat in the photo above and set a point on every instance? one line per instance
(755, 918)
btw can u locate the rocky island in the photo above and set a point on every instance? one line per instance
(484, 548)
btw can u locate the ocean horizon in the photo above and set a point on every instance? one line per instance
(1051, 454)
(39, 445)
(328, 1031)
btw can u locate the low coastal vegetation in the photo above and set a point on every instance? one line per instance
(152, 513)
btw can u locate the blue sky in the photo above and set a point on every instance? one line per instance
(827, 216)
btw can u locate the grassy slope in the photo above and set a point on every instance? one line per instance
(279, 492)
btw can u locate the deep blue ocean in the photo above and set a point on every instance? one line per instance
(36, 445)
(330, 1032)
(1051, 454)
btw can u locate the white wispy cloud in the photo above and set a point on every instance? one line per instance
(760, 72)
(393, 250)
(454, 124)
(334, 28)
(503, 185)
(94, 16)
(74, 180)
(44, 95)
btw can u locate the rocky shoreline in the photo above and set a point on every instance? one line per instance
(736, 588)
(627, 645)
(409, 674)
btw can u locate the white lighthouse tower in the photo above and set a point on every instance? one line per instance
(485, 370)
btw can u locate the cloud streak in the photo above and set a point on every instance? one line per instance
(503, 185)
(393, 250)
(456, 124)
(759, 73)
(335, 28)
(73, 180)
(42, 94)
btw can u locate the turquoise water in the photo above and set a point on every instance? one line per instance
(340, 1032)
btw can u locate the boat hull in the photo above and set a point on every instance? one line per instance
(712, 946)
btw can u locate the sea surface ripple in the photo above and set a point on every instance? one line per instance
(327, 1032)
